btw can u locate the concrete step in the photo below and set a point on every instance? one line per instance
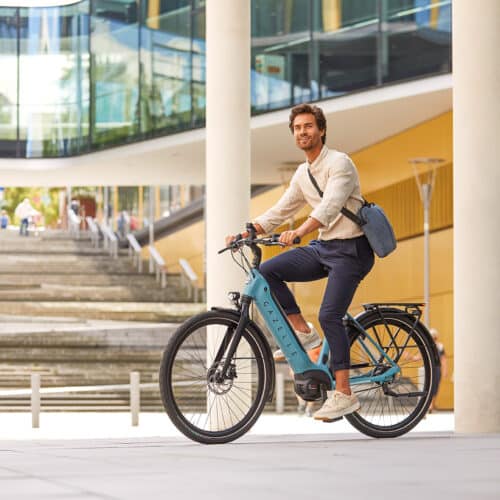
(63, 264)
(146, 335)
(124, 311)
(56, 292)
(12, 280)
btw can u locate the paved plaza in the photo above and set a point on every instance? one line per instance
(285, 456)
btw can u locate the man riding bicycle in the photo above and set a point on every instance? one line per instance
(342, 253)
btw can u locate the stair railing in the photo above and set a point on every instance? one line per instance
(110, 240)
(190, 279)
(134, 251)
(94, 231)
(157, 265)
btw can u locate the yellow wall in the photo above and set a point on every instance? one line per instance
(387, 178)
(386, 162)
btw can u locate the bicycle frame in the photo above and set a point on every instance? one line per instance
(257, 290)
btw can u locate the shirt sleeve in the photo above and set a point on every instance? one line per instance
(288, 205)
(339, 187)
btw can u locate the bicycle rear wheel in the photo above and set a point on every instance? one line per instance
(200, 406)
(393, 408)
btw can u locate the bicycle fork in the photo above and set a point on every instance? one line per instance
(230, 342)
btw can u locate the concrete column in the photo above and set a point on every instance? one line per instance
(157, 202)
(476, 122)
(140, 209)
(114, 224)
(106, 205)
(228, 139)
(227, 158)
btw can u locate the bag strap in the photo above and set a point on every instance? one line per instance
(345, 211)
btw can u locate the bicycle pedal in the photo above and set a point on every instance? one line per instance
(332, 420)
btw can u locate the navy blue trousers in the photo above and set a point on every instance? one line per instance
(344, 262)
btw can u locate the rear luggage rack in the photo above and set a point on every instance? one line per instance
(412, 308)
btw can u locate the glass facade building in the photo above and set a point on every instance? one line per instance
(100, 73)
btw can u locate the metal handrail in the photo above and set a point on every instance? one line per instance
(94, 231)
(159, 267)
(110, 239)
(190, 278)
(134, 250)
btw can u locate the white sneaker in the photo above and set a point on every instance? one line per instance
(308, 340)
(337, 405)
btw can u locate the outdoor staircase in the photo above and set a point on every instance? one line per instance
(79, 317)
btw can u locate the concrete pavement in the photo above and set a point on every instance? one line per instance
(278, 460)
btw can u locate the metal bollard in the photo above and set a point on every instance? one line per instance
(135, 397)
(280, 392)
(35, 400)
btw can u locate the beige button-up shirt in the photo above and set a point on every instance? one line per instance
(337, 177)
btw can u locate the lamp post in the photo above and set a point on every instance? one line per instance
(424, 170)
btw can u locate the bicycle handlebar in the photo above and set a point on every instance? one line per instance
(272, 240)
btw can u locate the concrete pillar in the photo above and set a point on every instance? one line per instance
(228, 139)
(227, 157)
(114, 224)
(476, 122)
(140, 209)
(157, 202)
(106, 205)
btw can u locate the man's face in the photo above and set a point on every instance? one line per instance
(306, 132)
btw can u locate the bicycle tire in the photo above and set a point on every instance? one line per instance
(382, 415)
(178, 405)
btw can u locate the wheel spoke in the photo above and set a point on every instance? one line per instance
(380, 411)
(201, 404)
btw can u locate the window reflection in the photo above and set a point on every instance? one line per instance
(53, 80)
(115, 72)
(103, 72)
(8, 86)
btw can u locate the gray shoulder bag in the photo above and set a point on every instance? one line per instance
(372, 221)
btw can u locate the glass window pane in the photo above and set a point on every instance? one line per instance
(53, 80)
(8, 86)
(198, 69)
(345, 39)
(115, 71)
(166, 63)
(280, 53)
(417, 40)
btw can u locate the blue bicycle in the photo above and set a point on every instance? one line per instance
(217, 371)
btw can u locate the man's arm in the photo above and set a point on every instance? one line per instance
(289, 204)
(308, 226)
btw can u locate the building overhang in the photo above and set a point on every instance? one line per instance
(355, 121)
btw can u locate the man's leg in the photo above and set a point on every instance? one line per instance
(342, 283)
(296, 265)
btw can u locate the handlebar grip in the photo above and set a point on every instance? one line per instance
(296, 240)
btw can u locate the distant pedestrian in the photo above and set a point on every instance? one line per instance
(4, 220)
(75, 206)
(443, 371)
(123, 223)
(23, 212)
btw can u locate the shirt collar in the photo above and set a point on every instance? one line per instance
(315, 164)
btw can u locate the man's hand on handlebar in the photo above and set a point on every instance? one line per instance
(289, 238)
(243, 234)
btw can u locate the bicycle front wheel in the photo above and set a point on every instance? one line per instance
(201, 406)
(392, 408)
